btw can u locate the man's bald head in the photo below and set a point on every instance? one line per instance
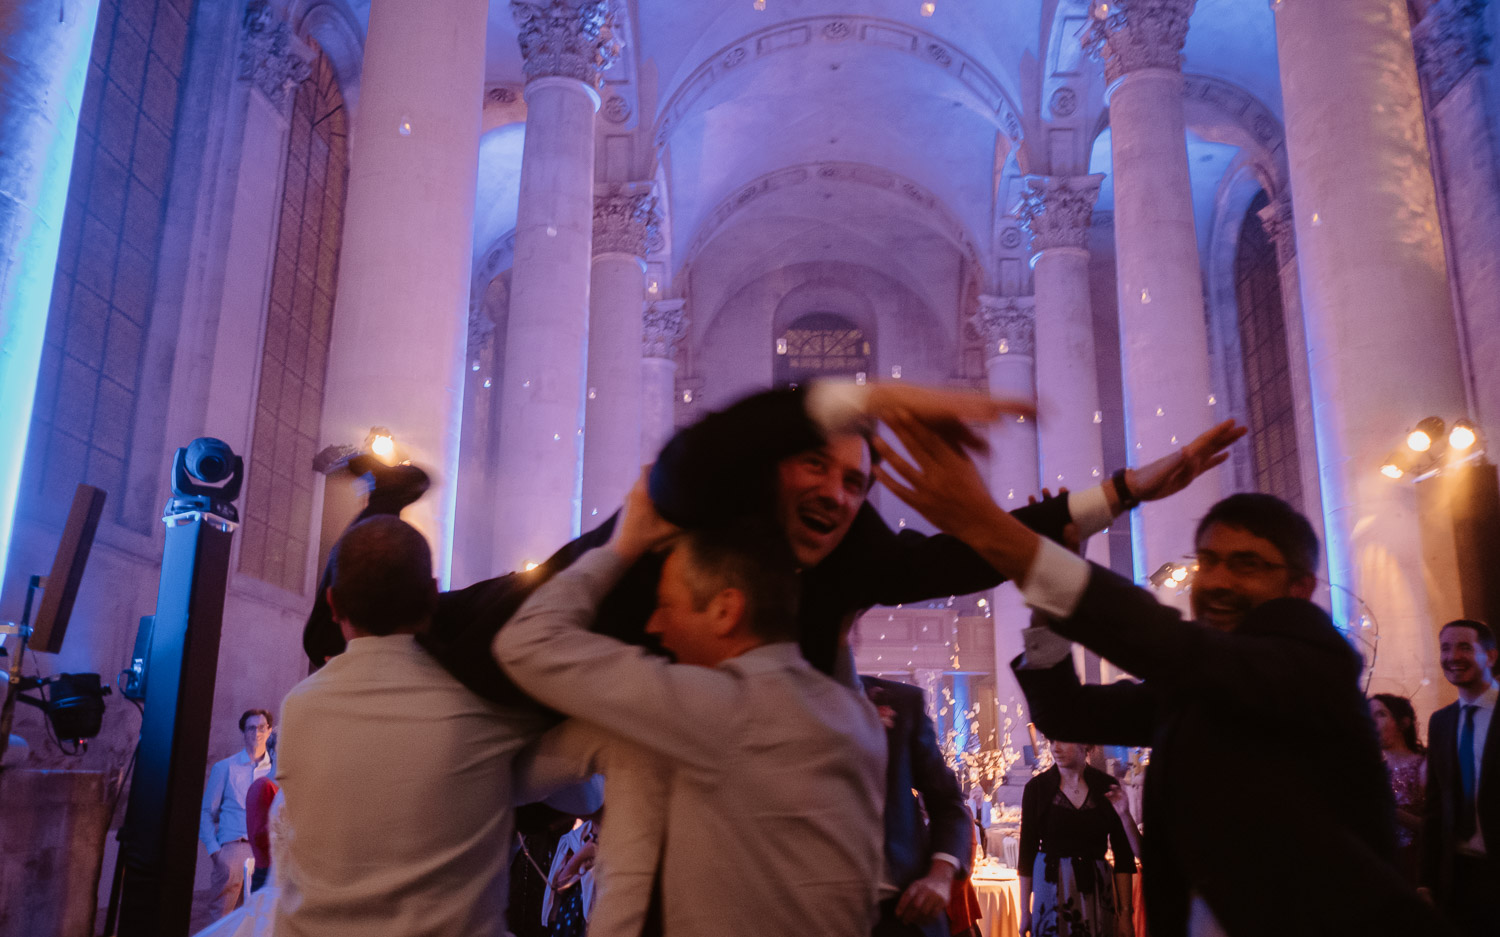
(382, 578)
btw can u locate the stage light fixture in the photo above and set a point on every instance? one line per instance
(383, 445)
(1421, 437)
(1462, 437)
(1391, 470)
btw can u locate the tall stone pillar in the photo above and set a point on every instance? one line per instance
(1451, 43)
(1057, 211)
(1007, 324)
(1381, 345)
(44, 58)
(623, 223)
(1163, 332)
(665, 324)
(566, 46)
(396, 355)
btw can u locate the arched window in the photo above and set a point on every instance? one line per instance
(1269, 408)
(821, 345)
(294, 362)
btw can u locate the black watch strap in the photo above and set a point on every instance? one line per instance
(1128, 501)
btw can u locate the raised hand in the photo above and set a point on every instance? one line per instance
(947, 412)
(640, 529)
(940, 481)
(1172, 473)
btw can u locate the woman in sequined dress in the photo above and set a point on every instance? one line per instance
(1406, 764)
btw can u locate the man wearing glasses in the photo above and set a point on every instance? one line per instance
(1266, 804)
(221, 825)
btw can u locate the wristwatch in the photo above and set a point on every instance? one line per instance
(1128, 501)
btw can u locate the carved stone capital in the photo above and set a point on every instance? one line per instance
(566, 39)
(1007, 325)
(625, 222)
(1449, 42)
(1130, 34)
(1058, 211)
(271, 58)
(1277, 219)
(665, 324)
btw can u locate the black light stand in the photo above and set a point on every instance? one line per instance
(159, 838)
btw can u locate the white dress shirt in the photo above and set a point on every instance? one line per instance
(1483, 716)
(398, 786)
(222, 819)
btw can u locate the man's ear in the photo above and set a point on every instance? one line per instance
(727, 611)
(1303, 585)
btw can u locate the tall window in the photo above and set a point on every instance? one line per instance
(1268, 387)
(821, 345)
(294, 362)
(89, 381)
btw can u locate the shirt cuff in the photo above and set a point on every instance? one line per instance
(1090, 511)
(1045, 648)
(838, 406)
(1055, 580)
(949, 859)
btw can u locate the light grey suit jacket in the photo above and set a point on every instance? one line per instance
(777, 772)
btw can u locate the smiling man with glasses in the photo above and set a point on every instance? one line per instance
(1266, 804)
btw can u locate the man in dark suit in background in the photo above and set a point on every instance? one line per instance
(1266, 805)
(1460, 868)
(922, 860)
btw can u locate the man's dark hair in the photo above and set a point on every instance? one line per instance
(1269, 518)
(754, 558)
(245, 717)
(1485, 633)
(382, 576)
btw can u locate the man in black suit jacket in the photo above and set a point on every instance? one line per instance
(922, 860)
(1462, 814)
(1266, 806)
(801, 457)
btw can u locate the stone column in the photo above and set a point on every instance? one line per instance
(1163, 331)
(396, 355)
(44, 58)
(566, 46)
(1381, 345)
(1057, 211)
(1276, 218)
(1007, 324)
(665, 324)
(1451, 43)
(623, 223)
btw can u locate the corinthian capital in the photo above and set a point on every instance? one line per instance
(1130, 34)
(566, 39)
(625, 222)
(1007, 324)
(1057, 211)
(270, 56)
(1277, 219)
(1449, 42)
(665, 324)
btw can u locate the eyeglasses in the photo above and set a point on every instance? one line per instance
(1239, 564)
(259, 728)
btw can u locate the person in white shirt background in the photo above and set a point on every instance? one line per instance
(221, 825)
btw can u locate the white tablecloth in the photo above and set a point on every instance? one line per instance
(999, 904)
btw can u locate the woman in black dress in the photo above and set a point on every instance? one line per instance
(1067, 886)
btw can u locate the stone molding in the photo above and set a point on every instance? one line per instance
(665, 324)
(625, 223)
(1278, 221)
(1057, 211)
(841, 172)
(927, 48)
(271, 58)
(566, 39)
(1450, 41)
(1006, 325)
(1127, 35)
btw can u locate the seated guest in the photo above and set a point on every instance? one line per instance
(1068, 888)
(1299, 838)
(1406, 765)
(776, 770)
(396, 779)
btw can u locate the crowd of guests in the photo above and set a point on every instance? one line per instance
(693, 651)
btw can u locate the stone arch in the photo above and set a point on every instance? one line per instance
(333, 27)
